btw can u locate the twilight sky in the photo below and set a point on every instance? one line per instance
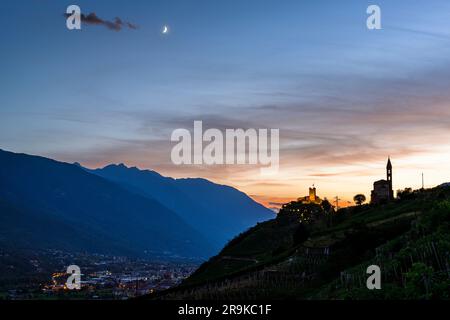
(343, 97)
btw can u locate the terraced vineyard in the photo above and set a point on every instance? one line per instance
(284, 259)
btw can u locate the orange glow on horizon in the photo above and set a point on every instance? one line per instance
(337, 177)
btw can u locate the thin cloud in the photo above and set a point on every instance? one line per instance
(420, 32)
(277, 204)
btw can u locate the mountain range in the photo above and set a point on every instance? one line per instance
(217, 211)
(117, 210)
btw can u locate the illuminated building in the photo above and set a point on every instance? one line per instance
(311, 198)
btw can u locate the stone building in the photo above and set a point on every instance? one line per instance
(382, 189)
(311, 198)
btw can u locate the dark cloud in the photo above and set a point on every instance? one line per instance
(116, 25)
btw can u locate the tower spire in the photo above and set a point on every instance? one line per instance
(389, 178)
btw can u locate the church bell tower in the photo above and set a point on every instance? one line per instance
(389, 178)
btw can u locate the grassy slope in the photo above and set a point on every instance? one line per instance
(250, 250)
(409, 239)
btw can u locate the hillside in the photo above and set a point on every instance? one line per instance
(327, 259)
(50, 204)
(216, 211)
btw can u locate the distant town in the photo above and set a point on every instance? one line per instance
(102, 277)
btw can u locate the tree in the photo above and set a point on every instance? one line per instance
(329, 210)
(359, 199)
(405, 194)
(326, 206)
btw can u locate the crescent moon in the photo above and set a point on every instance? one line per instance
(165, 30)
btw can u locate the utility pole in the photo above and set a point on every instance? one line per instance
(337, 202)
(423, 183)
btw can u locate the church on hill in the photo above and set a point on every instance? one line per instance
(382, 189)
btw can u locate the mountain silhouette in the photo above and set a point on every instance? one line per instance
(217, 211)
(50, 204)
